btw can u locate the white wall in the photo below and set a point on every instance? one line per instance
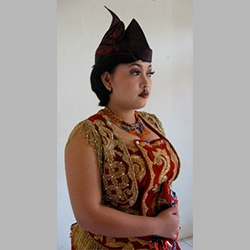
(169, 30)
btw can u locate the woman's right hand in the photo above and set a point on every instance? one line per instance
(168, 221)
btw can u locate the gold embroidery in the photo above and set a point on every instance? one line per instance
(81, 240)
(153, 121)
(88, 130)
(175, 159)
(139, 166)
(162, 159)
(151, 176)
(119, 177)
(112, 242)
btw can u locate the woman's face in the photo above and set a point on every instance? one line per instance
(128, 82)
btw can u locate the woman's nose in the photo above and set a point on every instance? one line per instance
(145, 81)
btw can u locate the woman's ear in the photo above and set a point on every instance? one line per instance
(106, 80)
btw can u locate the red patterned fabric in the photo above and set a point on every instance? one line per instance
(147, 170)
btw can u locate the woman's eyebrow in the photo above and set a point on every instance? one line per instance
(139, 65)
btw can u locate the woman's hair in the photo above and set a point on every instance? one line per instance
(108, 63)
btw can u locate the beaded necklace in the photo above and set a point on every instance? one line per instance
(137, 128)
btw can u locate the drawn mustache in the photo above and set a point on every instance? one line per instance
(144, 92)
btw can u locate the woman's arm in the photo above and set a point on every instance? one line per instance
(84, 185)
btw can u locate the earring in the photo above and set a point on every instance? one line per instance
(109, 89)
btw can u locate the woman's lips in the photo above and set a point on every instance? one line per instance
(143, 95)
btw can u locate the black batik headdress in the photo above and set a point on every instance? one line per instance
(118, 41)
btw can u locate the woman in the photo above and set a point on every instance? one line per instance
(119, 164)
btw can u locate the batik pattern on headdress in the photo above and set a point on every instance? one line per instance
(118, 41)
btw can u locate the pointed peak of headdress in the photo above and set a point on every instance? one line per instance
(115, 19)
(137, 41)
(134, 31)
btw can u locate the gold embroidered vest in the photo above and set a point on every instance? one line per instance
(119, 180)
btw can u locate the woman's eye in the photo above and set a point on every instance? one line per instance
(151, 73)
(135, 72)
